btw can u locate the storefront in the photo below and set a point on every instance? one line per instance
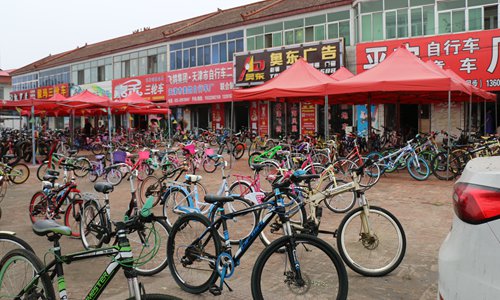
(472, 55)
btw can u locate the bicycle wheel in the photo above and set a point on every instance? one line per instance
(375, 254)
(274, 230)
(441, 166)
(371, 174)
(240, 188)
(9, 242)
(309, 269)
(18, 268)
(143, 171)
(38, 207)
(239, 227)
(72, 215)
(254, 158)
(339, 203)
(175, 202)
(209, 165)
(97, 149)
(420, 171)
(93, 226)
(238, 151)
(42, 170)
(151, 186)
(19, 173)
(114, 176)
(192, 252)
(149, 246)
(3, 188)
(342, 167)
(82, 167)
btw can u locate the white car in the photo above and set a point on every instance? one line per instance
(469, 258)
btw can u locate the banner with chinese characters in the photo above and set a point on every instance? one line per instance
(308, 118)
(254, 116)
(201, 85)
(217, 116)
(150, 87)
(44, 92)
(472, 55)
(23, 95)
(263, 118)
(257, 67)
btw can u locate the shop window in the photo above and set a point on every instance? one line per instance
(491, 17)
(207, 55)
(299, 35)
(289, 37)
(319, 32)
(445, 22)
(476, 18)
(458, 20)
(259, 42)
(277, 39)
(333, 30)
(390, 24)
(416, 21)
(101, 74)
(251, 43)
(215, 54)
(153, 64)
(268, 40)
(200, 56)
(402, 23)
(223, 52)
(310, 34)
(185, 58)
(239, 45)
(134, 67)
(428, 20)
(143, 65)
(231, 47)
(178, 59)
(345, 31)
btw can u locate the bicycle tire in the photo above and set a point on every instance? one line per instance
(209, 165)
(238, 151)
(157, 262)
(274, 229)
(96, 148)
(175, 244)
(254, 158)
(419, 173)
(92, 224)
(239, 227)
(441, 167)
(328, 279)
(72, 215)
(353, 259)
(151, 186)
(9, 242)
(82, 167)
(240, 188)
(168, 206)
(42, 170)
(17, 155)
(3, 188)
(23, 173)
(114, 176)
(340, 203)
(38, 207)
(156, 297)
(14, 258)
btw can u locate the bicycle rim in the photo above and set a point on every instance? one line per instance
(92, 226)
(375, 255)
(150, 248)
(322, 273)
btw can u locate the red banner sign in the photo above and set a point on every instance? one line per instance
(23, 95)
(217, 116)
(254, 116)
(150, 87)
(263, 118)
(472, 55)
(208, 84)
(308, 118)
(44, 92)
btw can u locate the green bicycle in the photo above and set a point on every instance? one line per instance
(258, 157)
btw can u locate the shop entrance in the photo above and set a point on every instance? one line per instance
(201, 116)
(409, 120)
(241, 112)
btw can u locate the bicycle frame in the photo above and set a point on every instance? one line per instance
(408, 149)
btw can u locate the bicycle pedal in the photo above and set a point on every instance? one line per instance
(215, 290)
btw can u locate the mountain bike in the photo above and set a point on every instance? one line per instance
(293, 266)
(16, 173)
(9, 241)
(24, 276)
(96, 228)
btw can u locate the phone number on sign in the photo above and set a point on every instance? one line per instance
(493, 82)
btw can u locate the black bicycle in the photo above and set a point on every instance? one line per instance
(294, 265)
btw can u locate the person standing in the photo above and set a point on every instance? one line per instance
(489, 127)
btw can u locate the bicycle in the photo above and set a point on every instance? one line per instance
(9, 241)
(98, 168)
(35, 281)
(82, 164)
(195, 246)
(16, 173)
(96, 227)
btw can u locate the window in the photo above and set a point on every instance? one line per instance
(277, 39)
(390, 24)
(344, 31)
(475, 18)
(223, 52)
(428, 20)
(490, 17)
(299, 35)
(259, 42)
(458, 20)
(268, 40)
(372, 27)
(402, 23)
(126, 69)
(289, 37)
(185, 58)
(152, 64)
(201, 53)
(310, 34)
(445, 22)
(207, 55)
(2, 94)
(101, 73)
(134, 67)
(231, 48)
(143, 65)
(319, 32)
(215, 54)
(251, 43)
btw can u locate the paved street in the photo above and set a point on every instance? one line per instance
(423, 208)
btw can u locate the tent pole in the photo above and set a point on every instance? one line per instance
(326, 118)
(484, 120)
(33, 148)
(369, 127)
(470, 115)
(449, 136)
(109, 135)
(232, 127)
(169, 121)
(72, 127)
(285, 109)
(496, 115)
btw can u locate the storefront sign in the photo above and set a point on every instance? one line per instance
(208, 84)
(99, 88)
(217, 116)
(472, 55)
(23, 95)
(44, 92)
(259, 66)
(362, 117)
(150, 87)
(263, 118)
(254, 116)
(308, 118)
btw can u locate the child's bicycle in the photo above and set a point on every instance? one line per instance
(98, 168)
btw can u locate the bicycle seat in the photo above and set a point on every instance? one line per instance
(72, 152)
(48, 177)
(214, 156)
(218, 199)
(103, 187)
(53, 172)
(154, 150)
(193, 178)
(99, 157)
(44, 227)
(257, 167)
(305, 177)
(9, 156)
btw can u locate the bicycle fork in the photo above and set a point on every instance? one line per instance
(366, 229)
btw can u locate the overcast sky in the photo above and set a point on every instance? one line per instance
(33, 29)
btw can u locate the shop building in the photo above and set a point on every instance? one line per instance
(193, 64)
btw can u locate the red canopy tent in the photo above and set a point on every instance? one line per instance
(341, 74)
